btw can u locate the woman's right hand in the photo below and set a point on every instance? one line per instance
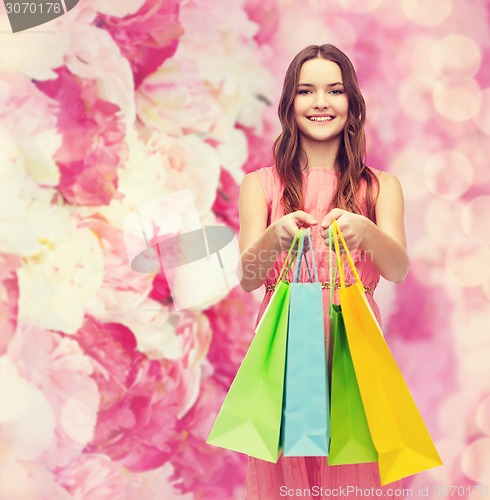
(286, 227)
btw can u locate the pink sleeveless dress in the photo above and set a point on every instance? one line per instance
(269, 481)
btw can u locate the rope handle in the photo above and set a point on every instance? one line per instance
(300, 259)
(287, 265)
(303, 256)
(331, 276)
(337, 234)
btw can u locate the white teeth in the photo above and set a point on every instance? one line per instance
(320, 118)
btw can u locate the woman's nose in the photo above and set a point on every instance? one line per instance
(321, 100)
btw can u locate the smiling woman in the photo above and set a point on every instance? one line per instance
(319, 176)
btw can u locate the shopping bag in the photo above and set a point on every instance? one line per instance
(305, 424)
(350, 439)
(250, 417)
(397, 429)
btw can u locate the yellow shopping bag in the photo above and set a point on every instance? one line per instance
(398, 432)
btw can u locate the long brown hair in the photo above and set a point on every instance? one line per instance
(352, 149)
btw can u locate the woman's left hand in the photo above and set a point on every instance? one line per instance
(352, 226)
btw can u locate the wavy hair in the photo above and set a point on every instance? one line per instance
(352, 148)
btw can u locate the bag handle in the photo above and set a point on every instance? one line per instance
(303, 256)
(338, 235)
(288, 262)
(331, 277)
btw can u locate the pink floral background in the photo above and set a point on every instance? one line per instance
(107, 392)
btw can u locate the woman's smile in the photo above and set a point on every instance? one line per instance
(321, 118)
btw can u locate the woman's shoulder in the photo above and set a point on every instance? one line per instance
(266, 175)
(383, 175)
(267, 178)
(388, 183)
(375, 171)
(264, 172)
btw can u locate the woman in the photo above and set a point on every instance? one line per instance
(319, 176)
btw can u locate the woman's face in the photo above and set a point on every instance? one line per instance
(321, 104)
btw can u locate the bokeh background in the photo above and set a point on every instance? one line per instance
(105, 390)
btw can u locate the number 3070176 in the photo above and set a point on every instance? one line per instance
(33, 8)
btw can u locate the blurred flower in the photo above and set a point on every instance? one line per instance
(116, 8)
(62, 266)
(28, 135)
(157, 483)
(121, 289)
(136, 419)
(97, 477)
(56, 255)
(260, 150)
(207, 471)
(193, 329)
(93, 139)
(94, 55)
(32, 54)
(9, 296)
(27, 422)
(232, 67)
(141, 180)
(160, 290)
(190, 163)
(225, 205)
(61, 372)
(192, 94)
(146, 38)
(233, 325)
(266, 15)
(174, 100)
(22, 480)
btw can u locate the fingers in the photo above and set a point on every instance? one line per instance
(330, 217)
(288, 225)
(288, 228)
(304, 219)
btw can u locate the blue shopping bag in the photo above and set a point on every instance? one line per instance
(305, 420)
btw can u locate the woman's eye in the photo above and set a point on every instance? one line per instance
(337, 91)
(304, 91)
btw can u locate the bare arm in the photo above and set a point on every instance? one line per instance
(385, 241)
(261, 246)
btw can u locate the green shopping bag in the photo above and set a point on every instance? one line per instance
(350, 439)
(250, 418)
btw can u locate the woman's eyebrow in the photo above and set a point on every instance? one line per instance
(328, 85)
